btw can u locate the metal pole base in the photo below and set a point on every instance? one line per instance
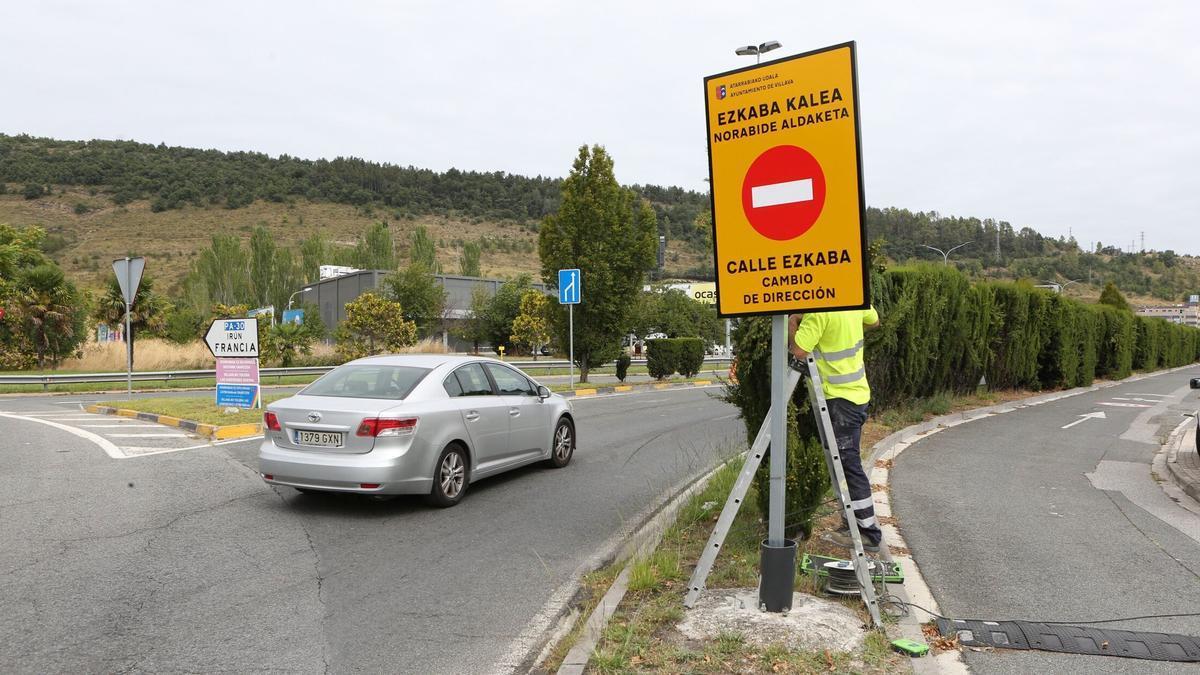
(777, 564)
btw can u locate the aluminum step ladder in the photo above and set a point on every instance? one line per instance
(836, 476)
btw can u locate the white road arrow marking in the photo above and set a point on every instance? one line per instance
(1143, 400)
(1124, 405)
(776, 194)
(1093, 415)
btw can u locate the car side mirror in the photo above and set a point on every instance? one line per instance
(543, 392)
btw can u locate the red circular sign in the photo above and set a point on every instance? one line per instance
(783, 192)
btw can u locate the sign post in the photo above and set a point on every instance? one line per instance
(129, 277)
(570, 293)
(789, 233)
(234, 342)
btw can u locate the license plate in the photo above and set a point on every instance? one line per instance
(319, 439)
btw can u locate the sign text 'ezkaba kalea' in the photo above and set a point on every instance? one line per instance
(786, 171)
(233, 338)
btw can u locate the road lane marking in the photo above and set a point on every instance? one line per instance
(1143, 400)
(1084, 418)
(777, 194)
(1123, 405)
(105, 444)
(121, 426)
(162, 435)
(1139, 393)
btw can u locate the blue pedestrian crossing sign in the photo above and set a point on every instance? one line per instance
(570, 291)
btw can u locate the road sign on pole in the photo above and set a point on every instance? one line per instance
(233, 338)
(785, 171)
(570, 293)
(786, 174)
(570, 287)
(129, 277)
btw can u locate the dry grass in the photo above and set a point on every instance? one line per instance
(426, 346)
(171, 239)
(149, 354)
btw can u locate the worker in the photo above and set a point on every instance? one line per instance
(835, 339)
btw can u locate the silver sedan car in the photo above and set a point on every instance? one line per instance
(413, 424)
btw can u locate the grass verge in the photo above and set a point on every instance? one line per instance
(119, 387)
(197, 409)
(641, 636)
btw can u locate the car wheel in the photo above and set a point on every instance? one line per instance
(562, 444)
(449, 477)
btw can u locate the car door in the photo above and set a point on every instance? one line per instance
(484, 414)
(528, 423)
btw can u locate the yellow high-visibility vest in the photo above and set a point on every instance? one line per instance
(835, 339)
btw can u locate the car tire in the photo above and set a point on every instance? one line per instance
(450, 478)
(562, 444)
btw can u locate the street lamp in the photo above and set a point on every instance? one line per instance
(757, 52)
(302, 290)
(946, 254)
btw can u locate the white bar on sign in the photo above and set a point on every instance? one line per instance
(782, 193)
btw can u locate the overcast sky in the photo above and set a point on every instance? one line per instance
(1053, 115)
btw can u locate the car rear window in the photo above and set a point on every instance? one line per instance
(367, 381)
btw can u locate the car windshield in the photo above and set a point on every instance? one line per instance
(367, 381)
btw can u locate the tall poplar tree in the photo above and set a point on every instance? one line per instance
(608, 233)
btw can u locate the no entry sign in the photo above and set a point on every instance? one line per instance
(783, 192)
(786, 174)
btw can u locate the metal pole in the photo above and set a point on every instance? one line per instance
(571, 346)
(128, 334)
(778, 428)
(728, 350)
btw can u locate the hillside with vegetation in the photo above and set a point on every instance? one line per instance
(98, 200)
(103, 199)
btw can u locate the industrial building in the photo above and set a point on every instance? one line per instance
(331, 294)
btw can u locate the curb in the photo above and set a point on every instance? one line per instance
(1178, 441)
(629, 388)
(558, 615)
(210, 431)
(640, 543)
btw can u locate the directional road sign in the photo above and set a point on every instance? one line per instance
(233, 338)
(570, 287)
(129, 276)
(786, 174)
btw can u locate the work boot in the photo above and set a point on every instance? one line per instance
(842, 538)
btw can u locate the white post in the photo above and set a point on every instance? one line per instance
(778, 428)
(571, 347)
(728, 348)
(128, 334)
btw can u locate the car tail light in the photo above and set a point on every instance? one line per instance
(368, 486)
(386, 426)
(271, 421)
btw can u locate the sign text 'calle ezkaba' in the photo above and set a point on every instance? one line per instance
(786, 170)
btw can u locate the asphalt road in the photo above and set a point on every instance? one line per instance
(1013, 517)
(182, 559)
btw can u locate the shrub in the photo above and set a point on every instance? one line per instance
(622, 366)
(689, 357)
(660, 357)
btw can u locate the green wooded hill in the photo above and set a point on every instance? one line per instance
(101, 199)
(1026, 254)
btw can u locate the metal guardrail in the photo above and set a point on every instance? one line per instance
(171, 375)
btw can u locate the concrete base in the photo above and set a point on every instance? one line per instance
(812, 623)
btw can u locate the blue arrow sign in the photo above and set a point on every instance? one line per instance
(570, 291)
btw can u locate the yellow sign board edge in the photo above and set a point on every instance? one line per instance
(862, 198)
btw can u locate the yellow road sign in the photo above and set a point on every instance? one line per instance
(785, 165)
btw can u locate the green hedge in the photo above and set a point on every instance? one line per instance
(665, 356)
(941, 334)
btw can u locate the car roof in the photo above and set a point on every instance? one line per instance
(421, 360)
